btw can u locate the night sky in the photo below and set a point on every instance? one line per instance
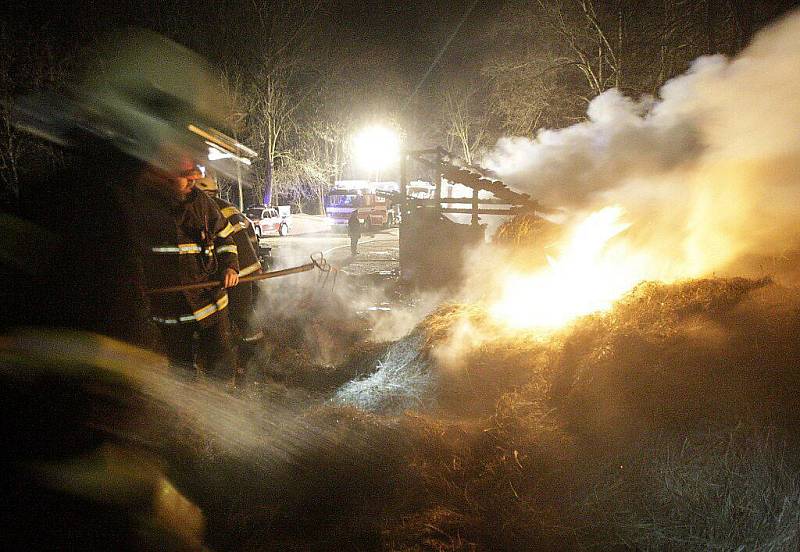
(409, 33)
(379, 51)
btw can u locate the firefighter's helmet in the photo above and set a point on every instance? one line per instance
(206, 184)
(150, 97)
(153, 98)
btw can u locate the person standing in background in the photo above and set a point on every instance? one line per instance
(354, 230)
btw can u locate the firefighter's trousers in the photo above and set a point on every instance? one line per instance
(216, 354)
(240, 308)
(242, 314)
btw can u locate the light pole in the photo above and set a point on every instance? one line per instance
(239, 116)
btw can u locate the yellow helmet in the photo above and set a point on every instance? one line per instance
(145, 94)
(207, 184)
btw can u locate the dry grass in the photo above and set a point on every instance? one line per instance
(736, 489)
(585, 454)
(665, 424)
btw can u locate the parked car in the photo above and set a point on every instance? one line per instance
(267, 221)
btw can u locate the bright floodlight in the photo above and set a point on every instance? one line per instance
(376, 148)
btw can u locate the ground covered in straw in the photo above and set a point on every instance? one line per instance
(668, 423)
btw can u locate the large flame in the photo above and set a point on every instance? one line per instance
(595, 267)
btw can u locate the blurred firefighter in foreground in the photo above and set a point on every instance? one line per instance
(68, 255)
(131, 122)
(74, 475)
(187, 240)
(78, 469)
(242, 297)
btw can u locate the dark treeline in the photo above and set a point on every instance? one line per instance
(303, 75)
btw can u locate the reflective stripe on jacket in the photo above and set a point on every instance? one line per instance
(199, 314)
(242, 230)
(246, 271)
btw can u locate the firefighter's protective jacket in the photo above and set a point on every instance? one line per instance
(183, 242)
(85, 272)
(243, 235)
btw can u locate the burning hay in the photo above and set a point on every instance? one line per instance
(665, 355)
(471, 434)
(579, 407)
(402, 381)
(576, 457)
(683, 355)
(312, 345)
(626, 429)
(529, 233)
(522, 230)
(424, 371)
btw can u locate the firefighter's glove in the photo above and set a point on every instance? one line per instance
(230, 279)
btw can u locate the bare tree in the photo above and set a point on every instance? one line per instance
(26, 65)
(465, 120)
(272, 89)
(591, 44)
(273, 111)
(326, 156)
(548, 58)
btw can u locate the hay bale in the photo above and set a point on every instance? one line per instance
(526, 238)
(525, 231)
(675, 356)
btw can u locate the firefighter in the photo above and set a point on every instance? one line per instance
(187, 240)
(133, 115)
(242, 297)
(49, 250)
(354, 230)
(75, 474)
(79, 469)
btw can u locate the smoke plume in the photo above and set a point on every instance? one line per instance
(706, 173)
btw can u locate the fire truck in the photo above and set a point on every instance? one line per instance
(375, 210)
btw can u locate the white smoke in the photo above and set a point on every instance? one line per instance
(622, 139)
(708, 171)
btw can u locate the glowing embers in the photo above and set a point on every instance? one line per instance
(593, 268)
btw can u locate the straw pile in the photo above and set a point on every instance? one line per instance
(530, 234)
(663, 424)
(669, 422)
